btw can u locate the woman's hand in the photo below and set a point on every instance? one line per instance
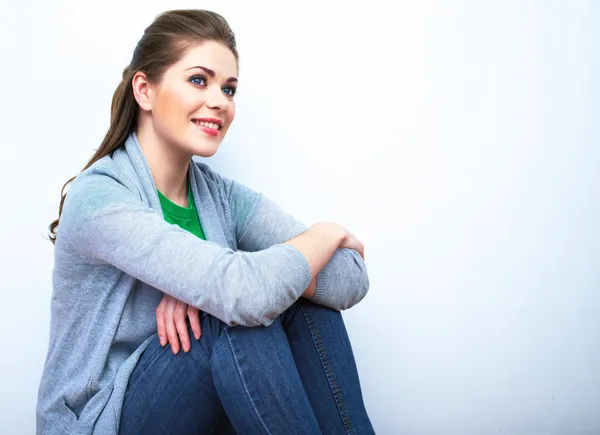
(350, 241)
(171, 323)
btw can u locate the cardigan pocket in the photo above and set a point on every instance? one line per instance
(66, 415)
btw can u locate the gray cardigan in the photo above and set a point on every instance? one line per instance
(115, 255)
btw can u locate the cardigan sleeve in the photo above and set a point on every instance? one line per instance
(260, 224)
(105, 222)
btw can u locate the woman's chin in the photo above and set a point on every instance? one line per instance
(204, 150)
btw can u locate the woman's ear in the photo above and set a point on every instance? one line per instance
(142, 90)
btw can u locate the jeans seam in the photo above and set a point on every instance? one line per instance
(239, 370)
(328, 369)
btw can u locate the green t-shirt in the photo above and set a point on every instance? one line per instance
(185, 218)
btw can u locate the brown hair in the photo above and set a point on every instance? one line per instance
(164, 42)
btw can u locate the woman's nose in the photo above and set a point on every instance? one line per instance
(216, 100)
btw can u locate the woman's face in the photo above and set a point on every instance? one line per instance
(193, 105)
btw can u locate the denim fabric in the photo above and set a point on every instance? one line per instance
(295, 376)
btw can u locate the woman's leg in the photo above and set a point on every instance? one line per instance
(255, 378)
(259, 385)
(174, 394)
(266, 378)
(325, 361)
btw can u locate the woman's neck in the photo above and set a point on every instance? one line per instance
(169, 168)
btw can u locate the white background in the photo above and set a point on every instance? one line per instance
(458, 140)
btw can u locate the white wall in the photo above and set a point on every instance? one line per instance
(459, 140)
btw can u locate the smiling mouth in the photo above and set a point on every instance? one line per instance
(211, 125)
(209, 128)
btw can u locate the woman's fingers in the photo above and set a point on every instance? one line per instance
(194, 316)
(361, 249)
(352, 242)
(170, 324)
(180, 317)
(160, 321)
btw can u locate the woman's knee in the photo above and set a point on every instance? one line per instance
(308, 311)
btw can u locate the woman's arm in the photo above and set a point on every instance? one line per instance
(260, 223)
(105, 222)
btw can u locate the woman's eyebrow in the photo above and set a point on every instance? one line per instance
(211, 73)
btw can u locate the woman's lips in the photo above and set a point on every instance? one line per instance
(209, 131)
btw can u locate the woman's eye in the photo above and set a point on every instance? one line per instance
(230, 90)
(198, 80)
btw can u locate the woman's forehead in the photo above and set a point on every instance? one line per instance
(211, 55)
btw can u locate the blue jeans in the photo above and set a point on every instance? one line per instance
(296, 376)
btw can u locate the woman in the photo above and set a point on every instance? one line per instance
(148, 237)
